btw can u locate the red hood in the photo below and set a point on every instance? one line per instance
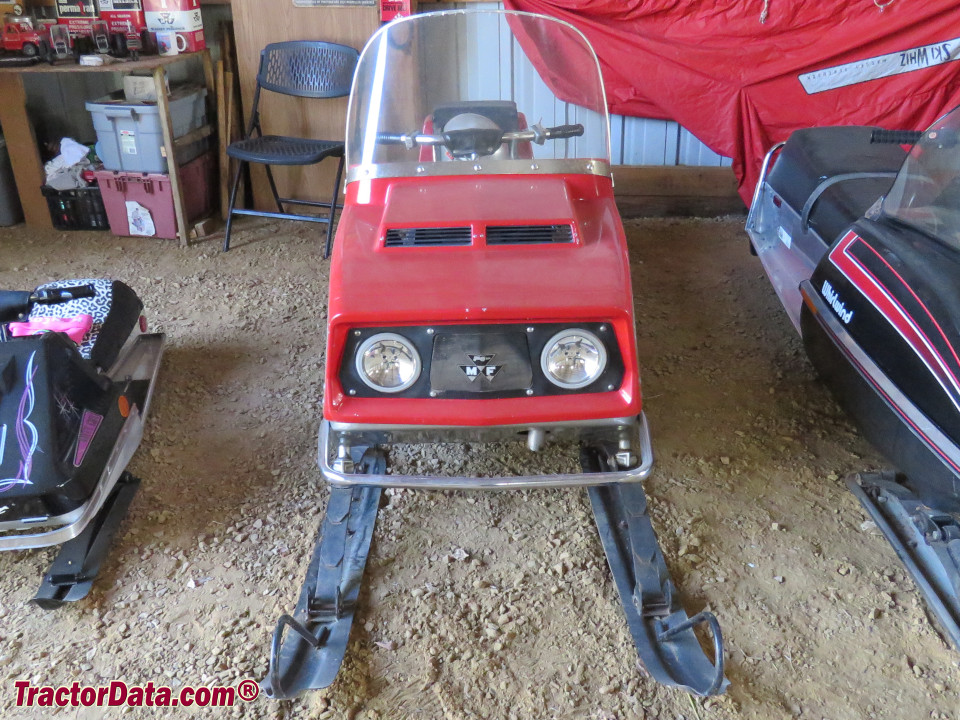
(588, 279)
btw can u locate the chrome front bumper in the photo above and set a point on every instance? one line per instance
(630, 435)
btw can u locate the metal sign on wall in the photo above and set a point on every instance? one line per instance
(334, 3)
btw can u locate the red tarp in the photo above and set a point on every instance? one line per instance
(741, 85)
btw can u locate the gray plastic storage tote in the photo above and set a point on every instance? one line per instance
(129, 135)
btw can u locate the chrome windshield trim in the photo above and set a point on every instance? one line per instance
(478, 168)
(641, 443)
(758, 190)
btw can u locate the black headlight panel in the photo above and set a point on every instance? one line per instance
(473, 361)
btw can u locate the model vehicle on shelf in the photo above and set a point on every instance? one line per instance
(21, 37)
(61, 45)
(480, 290)
(861, 241)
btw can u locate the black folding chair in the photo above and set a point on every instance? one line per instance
(304, 69)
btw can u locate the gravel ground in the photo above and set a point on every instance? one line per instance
(486, 605)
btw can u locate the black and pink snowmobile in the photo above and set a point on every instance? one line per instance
(77, 371)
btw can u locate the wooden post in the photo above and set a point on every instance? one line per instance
(22, 146)
(173, 167)
(223, 140)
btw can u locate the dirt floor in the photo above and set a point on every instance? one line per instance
(488, 605)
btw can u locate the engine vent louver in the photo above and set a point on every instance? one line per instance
(528, 234)
(427, 237)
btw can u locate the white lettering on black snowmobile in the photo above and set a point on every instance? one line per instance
(836, 303)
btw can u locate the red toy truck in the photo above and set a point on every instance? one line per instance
(21, 37)
(480, 291)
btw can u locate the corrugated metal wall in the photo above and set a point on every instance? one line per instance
(509, 75)
(633, 141)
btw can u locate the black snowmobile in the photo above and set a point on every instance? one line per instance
(861, 240)
(77, 371)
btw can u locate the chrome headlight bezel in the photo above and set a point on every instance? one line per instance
(586, 335)
(381, 337)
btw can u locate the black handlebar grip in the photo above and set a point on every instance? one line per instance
(49, 296)
(896, 137)
(13, 304)
(564, 131)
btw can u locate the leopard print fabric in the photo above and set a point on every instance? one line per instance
(98, 307)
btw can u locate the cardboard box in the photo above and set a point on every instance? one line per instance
(141, 88)
(181, 16)
(123, 16)
(393, 9)
(78, 16)
(69, 9)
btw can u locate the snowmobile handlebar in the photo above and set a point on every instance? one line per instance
(16, 303)
(488, 140)
(52, 296)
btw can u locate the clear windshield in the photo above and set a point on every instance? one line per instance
(926, 193)
(475, 71)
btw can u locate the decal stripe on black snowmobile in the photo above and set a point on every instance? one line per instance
(844, 257)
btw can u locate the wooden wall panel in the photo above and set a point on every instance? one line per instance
(258, 22)
(643, 191)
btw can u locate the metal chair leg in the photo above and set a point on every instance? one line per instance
(233, 199)
(273, 188)
(333, 209)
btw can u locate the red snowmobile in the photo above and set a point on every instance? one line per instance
(480, 290)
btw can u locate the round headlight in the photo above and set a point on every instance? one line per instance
(573, 358)
(388, 362)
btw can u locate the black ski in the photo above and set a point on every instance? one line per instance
(662, 631)
(310, 655)
(926, 541)
(76, 566)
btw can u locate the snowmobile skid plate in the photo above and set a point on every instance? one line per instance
(310, 654)
(662, 631)
(926, 541)
(76, 566)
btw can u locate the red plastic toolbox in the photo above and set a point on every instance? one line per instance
(153, 192)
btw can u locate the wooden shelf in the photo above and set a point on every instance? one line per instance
(193, 136)
(22, 142)
(122, 66)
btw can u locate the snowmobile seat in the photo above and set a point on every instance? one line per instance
(814, 155)
(115, 310)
